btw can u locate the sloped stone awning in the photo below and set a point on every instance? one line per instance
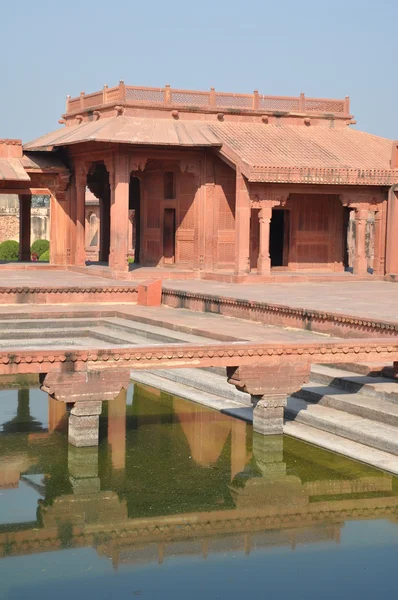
(130, 130)
(264, 152)
(11, 169)
(307, 154)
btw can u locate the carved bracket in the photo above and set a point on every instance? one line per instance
(360, 201)
(138, 162)
(268, 198)
(190, 166)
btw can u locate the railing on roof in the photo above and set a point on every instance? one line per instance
(207, 101)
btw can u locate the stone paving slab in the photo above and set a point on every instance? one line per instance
(371, 299)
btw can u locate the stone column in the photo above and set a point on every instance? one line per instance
(84, 424)
(360, 262)
(268, 411)
(80, 199)
(392, 233)
(119, 180)
(85, 391)
(242, 225)
(24, 226)
(264, 260)
(269, 386)
(378, 262)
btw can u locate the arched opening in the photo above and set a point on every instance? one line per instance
(98, 183)
(135, 218)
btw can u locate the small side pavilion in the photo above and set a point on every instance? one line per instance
(216, 183)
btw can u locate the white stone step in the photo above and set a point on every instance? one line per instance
(376, 458)
(379, 387)
(368, 407)
(205, 381)
(364, 431)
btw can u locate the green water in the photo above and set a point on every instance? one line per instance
(181, 501)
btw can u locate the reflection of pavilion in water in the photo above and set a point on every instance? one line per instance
(261, 491)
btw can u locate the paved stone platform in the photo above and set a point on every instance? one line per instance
(56, 278)
(38, 325)
(369, 299)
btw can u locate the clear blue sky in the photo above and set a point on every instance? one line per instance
(325, 49)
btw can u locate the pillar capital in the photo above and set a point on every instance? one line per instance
(265, 213)
(269, 197)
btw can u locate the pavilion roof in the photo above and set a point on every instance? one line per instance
(272, 152)
(266, 152)
(130, 130)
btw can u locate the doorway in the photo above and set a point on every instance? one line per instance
(169, 231)
(278, 235)
(98, 184)
(135, 217)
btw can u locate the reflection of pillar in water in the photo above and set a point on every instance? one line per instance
(83, 469)
(117, 429)
(268, 452)
(23, 422)
(238, 447)
(161, 549)
(57, 415)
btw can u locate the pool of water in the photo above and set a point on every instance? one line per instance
(180, 501)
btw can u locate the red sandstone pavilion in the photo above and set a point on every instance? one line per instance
(213, 184)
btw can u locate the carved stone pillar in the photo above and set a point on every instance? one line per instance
(80, 200)
(24, 226)
(360, 262)
(269, 387)
(86, 392)
(242, 225)
(84, 424)
(264, 260)
(392, 230)
(119, 177)
(379, 239)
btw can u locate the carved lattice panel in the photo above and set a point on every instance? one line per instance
(225, 215)
(185, 236)
(317, 230)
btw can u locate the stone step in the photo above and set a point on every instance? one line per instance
(229, 407)
(374, 387)
(151, 332)
(368, 407)
(329, 441)
(357, 429)
(205, 381)
(46, 324)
